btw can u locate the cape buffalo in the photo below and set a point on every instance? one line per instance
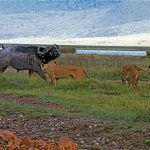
(28, 58)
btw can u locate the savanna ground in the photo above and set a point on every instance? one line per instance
(98, 113)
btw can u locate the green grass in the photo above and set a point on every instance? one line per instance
(102, 97)
(29, 111)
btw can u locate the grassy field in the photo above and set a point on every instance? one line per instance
(102, 96)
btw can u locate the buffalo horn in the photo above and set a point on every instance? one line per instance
(42, 51)
(39, 51)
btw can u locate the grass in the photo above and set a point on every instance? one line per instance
(101, 97)
(29, 111)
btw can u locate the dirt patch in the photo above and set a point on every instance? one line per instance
(89, 134)
(30, 100)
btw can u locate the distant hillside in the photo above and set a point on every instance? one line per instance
(73, 18)
(18, 6)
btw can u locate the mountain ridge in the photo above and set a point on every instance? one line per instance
(18, 6)
(115, 18)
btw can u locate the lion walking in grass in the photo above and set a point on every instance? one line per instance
(131, 73)
(55, 71)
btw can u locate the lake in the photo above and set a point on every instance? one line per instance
(112, 52)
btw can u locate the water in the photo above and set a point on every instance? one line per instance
(112, 52)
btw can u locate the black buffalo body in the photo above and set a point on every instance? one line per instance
(27, 58)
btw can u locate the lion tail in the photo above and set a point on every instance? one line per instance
(147, 71)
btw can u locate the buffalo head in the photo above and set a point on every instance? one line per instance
(48, 53)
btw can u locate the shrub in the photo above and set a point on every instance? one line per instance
(148, 52)
(67, 49)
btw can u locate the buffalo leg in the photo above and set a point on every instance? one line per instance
(41, 74)
(2, 69)
(35, 66)
(30, 73)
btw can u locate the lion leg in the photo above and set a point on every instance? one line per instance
(133, 80)
(54, 82)
(136, 79)
(135, 84)
(73, 76)
(53, 79)
(129, 82)
(123, 81)
(78, 75)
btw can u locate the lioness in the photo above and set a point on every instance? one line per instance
(130, 73)
(55, 71)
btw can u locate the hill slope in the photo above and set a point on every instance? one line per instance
(79, 18)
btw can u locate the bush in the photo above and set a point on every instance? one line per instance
(148, 52)
(67, 49)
